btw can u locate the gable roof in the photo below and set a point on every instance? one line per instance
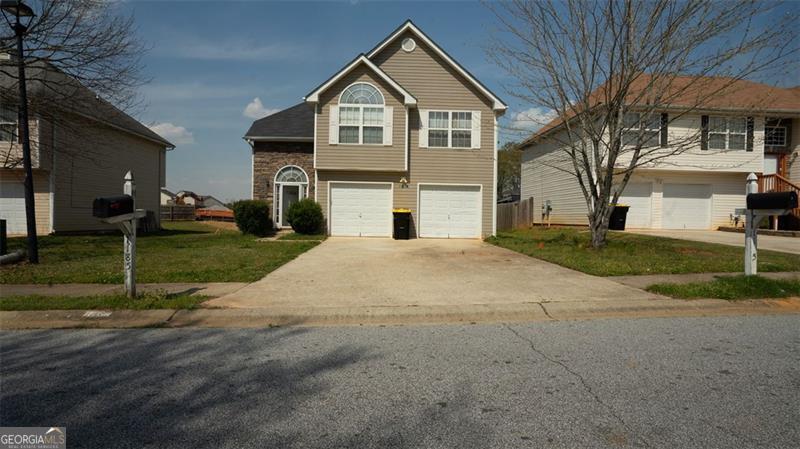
(292, 124)
(313, 97)
(50, 87)
(498, 104)
(689, 92)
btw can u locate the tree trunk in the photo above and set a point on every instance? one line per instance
(598, 225)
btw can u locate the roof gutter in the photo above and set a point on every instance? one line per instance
(278, 139)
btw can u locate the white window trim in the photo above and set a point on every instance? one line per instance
(642, 128)
(15, 133)
(361, 107)
(727, 133)
(449, 129)
(361, 124)
(785, 136)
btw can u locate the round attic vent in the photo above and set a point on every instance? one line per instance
(409, 45)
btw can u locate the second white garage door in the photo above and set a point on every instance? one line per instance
(361, 210)
(686, 206)
(449, 211)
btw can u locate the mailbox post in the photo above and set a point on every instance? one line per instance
(121, 210)
(760, 206)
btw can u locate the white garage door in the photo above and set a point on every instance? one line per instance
(361, 210)
(638, 197)
(686, 206)
(12, 207)
(449, 211)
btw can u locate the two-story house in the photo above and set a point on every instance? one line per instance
(748, 128)
(401, 126)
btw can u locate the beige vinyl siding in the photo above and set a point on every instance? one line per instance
(686, 130)
(91, 161)
(794, 156)
(41, 194)
(543, 178)
(360, 157)
(438, 86)
(11, 152)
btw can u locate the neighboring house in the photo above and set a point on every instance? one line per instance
(199, 201)
(167, 197)
(81, 149)
(402, 126)
(699, 188)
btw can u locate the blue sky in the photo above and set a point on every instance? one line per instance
(207, 63)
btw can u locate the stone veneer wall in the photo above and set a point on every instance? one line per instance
(269, 157)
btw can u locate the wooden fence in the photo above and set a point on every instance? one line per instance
(177, 212)
(515, 215)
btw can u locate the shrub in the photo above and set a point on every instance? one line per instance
(305, 216)
(252, 217)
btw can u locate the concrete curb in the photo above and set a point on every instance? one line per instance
(517, 312)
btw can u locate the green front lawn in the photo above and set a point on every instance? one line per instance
(732, 287)
(182, 252)
(634, 254)
(103, 302)
(296, 236)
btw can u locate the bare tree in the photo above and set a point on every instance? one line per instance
(608, 70)
(83, 65)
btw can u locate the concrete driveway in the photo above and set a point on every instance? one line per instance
(363, 272)
(770, 242)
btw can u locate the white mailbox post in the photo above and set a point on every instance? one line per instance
(764, 205)
(127, 223)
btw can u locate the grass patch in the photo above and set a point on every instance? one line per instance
(634, 254)
(181, 252)
(113, 302)
(731, 288)
(296, 236)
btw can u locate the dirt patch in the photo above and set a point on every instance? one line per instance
(696, 251)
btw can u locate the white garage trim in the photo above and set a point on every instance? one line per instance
(434, 184)
(330, 198)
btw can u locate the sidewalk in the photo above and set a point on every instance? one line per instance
(354, 316)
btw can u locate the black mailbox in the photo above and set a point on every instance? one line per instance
(772, 200)
(112, 206)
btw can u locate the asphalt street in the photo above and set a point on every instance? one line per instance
(652, 383)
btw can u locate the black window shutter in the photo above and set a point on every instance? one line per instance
(750, 126)
(664, 124)
(704, 132)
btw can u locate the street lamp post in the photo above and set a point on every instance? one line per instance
(19, 10)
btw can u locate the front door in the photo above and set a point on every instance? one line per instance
(290, 194)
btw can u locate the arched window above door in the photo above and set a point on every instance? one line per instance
(291, 173)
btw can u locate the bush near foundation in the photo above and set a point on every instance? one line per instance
(305, 216)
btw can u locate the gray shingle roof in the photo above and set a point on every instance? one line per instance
(295, 122)
(50, 88)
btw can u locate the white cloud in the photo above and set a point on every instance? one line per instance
(255, 109)
(174, 133)
(531, 120)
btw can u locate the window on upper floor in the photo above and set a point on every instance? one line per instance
(450, 129)
(8, 123)
(727, 133)
(775, 136)
(361, 115)
(640, 129)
